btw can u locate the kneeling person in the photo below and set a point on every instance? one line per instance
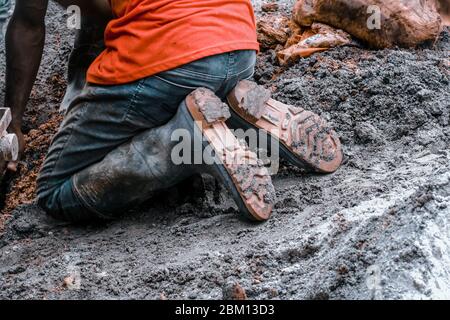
(169, 65)
(113, 149)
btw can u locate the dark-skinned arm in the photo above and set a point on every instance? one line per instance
(25, 39)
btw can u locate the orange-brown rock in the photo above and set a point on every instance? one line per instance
(273, 30)
(404, 23)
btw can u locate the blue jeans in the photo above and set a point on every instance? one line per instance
(102, 118)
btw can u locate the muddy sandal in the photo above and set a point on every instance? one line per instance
(306, 140)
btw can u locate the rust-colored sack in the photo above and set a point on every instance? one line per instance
(319, 37)
(404, 23)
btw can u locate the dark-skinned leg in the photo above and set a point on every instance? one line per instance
(89, 43)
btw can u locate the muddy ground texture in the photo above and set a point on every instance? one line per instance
(377, 228)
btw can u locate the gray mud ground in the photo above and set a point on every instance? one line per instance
(377, 228)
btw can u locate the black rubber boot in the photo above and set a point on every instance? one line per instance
(196, 140)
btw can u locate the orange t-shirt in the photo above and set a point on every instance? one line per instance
(151, 36)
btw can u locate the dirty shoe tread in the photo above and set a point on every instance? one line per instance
(308, 140)
(250, 178)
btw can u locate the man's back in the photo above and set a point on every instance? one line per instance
(151, 36)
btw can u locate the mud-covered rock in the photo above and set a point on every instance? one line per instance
(273, 31)
(379, 23)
